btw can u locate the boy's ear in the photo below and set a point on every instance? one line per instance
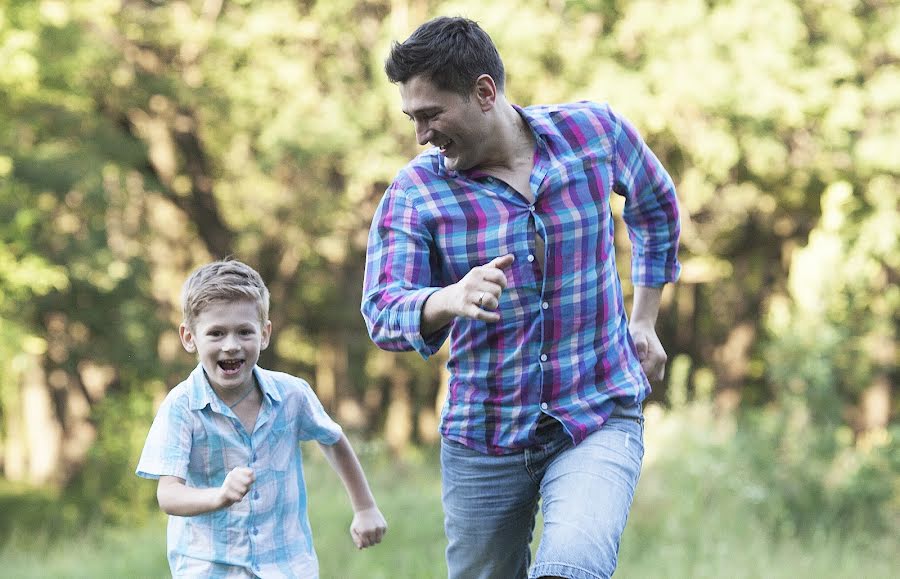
(187, 338)
(266, 334)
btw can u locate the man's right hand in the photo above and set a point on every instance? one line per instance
(237, 485)
(476, 296)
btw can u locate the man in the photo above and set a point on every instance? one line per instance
(500, 236)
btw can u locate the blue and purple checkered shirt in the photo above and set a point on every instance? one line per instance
(562, 344)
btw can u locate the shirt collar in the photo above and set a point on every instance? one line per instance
(202, 394)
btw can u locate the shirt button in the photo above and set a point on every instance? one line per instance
(530, 257)
(543, 406)
(545, 305)
(255, 531)
(256, 495)
(543, 357)
(531, 207)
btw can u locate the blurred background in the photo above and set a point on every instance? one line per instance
(140, 139)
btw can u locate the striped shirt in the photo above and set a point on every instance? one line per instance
(195, 436)
(562, 344)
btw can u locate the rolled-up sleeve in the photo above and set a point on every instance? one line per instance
(398, 277)
(651, 208)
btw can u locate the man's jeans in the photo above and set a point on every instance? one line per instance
(490, 502)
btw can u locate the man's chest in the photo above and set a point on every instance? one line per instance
(492, 217)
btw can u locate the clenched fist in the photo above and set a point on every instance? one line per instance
(236, 485)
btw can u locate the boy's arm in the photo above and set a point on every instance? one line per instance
(176, 498)
(368, 526)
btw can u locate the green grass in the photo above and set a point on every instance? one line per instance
(679, 530)
(699, 512)
(95, 553)
(409, 495)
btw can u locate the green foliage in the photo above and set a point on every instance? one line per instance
(794, 465)
(711, 503)
(138, 139)
(814, 479)
(767, 496)
(106, 491)
(31, 509)
(92, 552)
(839, 329)
(408, 493)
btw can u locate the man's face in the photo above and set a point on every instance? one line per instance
(447, 120)
(227, 338)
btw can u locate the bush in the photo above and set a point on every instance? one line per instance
(106, 490)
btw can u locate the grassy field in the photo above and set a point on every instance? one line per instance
(691, 519)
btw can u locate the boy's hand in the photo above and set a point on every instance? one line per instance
(368, 527)
(237, 484)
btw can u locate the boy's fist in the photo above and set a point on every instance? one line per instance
(237, 484)
(368, 527)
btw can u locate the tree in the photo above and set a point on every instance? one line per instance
(139, 139)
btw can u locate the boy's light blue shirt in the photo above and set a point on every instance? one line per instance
(196, 437)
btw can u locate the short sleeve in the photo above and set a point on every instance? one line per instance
(167, 449)
(315, 423)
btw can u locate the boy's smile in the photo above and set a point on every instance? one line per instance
(227, 338)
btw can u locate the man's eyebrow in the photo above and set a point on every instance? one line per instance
(421, 111)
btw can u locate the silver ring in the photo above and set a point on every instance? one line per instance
(480, 299)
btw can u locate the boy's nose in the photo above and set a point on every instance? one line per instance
(229, 344)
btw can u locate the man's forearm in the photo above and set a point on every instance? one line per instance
(435, 314)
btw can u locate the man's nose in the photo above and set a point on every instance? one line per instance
(423, 132)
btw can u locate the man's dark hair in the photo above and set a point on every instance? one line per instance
(451, 52)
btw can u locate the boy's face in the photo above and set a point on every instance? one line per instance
(227, 338)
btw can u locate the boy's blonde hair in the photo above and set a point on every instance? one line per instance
(227, 280)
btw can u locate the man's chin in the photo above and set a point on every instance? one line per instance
(454, 164)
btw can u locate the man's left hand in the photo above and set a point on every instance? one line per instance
(650, 350)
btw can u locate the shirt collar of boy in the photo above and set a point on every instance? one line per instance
(202, 394)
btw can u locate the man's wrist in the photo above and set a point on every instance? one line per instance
(645, 309)
(435, 313)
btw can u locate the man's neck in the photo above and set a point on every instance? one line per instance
(514, 142)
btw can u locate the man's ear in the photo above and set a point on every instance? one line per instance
(485, 92)
(187, 338)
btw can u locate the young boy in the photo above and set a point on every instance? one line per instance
(225, 443)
